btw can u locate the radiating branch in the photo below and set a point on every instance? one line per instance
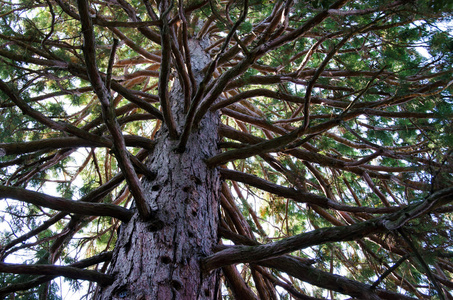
(71, 142)
(70, 272)
(41, 118)
(65, 205)
(318, 72)
(31, 233)
(304, 270)
(294, 267)
(196, 111)
(106, 256)
(99, 87)
(164, 74)
(247, 254)
(389, 271)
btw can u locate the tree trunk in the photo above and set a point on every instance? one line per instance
(164, 263)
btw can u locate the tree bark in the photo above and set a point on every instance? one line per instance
(162, 260)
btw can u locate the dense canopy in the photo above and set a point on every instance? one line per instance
(325, 129)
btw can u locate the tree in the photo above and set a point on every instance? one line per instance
(227, 149)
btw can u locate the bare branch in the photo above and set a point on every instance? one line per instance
(108, 111)
(71, 142)
(106, 256)
(164, 74)
(294, 267)
(70, 272)
(64, 205)
(243, 254)
(108, 78)
(247, 254)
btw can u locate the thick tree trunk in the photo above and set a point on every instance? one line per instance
(163, 263)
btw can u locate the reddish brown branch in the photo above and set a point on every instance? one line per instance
(106, 256)
(247, 254)
(31, 233)
(294, 267)
(300, 31)
(301, 269)
(70, 272)
(99, 87)
(70, 142)
(64, 205)
(237, 284)
(164, 76)
(108, 78)
(302, 154)
(92, 197)
(244, 254)
(196, 111)
(60, 126)
(187, 56)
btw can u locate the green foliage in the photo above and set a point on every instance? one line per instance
(441, 43)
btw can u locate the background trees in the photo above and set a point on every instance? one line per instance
(335, 132)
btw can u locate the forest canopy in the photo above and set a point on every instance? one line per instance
(226, 149)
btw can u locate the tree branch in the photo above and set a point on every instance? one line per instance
(244, 254)
(109, 112)
(31, 233)
(420, 259)
(64, 205)
(106, 256)
(294, 267)
(302, 270)
(164, 74)
(108, 78)
(70, 272)
(71, 142)
(195, 112)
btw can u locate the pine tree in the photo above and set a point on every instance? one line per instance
(226, 149)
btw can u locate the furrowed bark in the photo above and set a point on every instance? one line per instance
(162, 261)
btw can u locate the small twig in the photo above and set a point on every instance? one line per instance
(108, 78)
(429, 274)
(365, 159)
(319, 71)
(388, 272)
(353, 102)
(52, 27)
